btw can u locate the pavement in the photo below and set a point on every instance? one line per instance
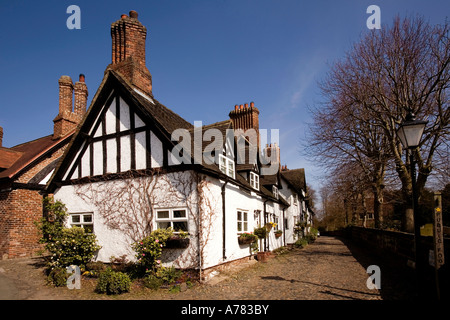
(8, 289)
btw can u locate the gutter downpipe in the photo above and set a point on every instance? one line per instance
(223, 221)
(284, 230)
(265, 221)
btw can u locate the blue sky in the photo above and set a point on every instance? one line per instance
(205, 56)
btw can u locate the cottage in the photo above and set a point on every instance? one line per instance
(134, 166)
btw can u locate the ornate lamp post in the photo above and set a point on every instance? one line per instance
(410, 133)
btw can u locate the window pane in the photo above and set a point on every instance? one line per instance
(179, 213)
(245, 216)
(163, 214)
(239, 216)
(76, 218)
(180, 225)
(163, 225)
(239, 226)
(87, 218)
(223, 164)
(245, 226)
(230, 168)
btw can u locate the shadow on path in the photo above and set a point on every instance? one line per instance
(397, 279)
(321, 285)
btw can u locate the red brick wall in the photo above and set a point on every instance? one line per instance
(19, 209)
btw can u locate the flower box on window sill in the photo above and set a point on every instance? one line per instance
(247, 238)
(176, 242)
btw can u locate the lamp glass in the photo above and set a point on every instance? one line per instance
(410, 133)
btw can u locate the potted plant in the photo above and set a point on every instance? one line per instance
(278, 233)
(247, 238)
(260, 232)
(270, 225)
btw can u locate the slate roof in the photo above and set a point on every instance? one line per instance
(296, 179)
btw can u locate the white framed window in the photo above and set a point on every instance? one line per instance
(175, 218)
(226, 165)
(275, 191)
(83, 220)
(254, 180)
(242, 221)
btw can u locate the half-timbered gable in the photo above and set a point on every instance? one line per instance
(125, 129)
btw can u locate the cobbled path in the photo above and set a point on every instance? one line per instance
(324, 270)
(328, 269)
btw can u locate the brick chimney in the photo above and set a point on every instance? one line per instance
(81, 94)
(66, 120)
(128, 51)
(245, 117)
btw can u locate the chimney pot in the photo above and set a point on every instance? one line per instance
(246, 105)
(123, 16)
(242, 106)
(236, 107)
(133, 14)
(252, 104)
(81, 78)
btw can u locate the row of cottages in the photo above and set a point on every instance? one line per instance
(26, 168)
(133, 166)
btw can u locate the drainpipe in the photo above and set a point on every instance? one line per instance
(284, 230)
(265, 221)
(223, 221)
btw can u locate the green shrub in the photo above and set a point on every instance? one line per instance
(58, 276)
(73, 247)
(168, 275)
(153, 282)
(149, 250)
(67, 246)
(113, 282)
(301, 243)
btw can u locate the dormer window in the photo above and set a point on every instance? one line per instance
(254, 180)
(275, 191)
(226, 165)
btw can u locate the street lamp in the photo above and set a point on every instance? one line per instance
(410, 133)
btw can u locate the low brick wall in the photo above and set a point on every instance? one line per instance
(399, 243)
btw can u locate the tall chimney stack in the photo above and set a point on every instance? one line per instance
(128, 51)
(67, 120)
(81, 94)
(246, 118)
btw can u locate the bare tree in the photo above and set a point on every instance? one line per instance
(392, 72)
